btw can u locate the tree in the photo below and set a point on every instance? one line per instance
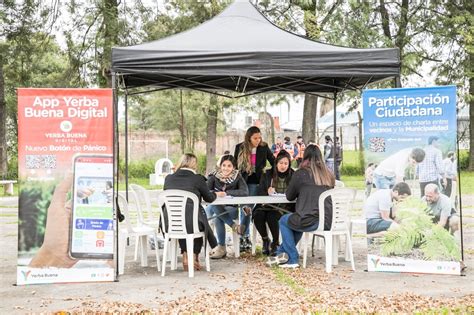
(453, 27)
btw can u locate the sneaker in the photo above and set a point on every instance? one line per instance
(289, 266)
(279, 259)
(248, 243)
(218, 252)
(242, 246)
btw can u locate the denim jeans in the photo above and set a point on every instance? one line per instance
(222, 220)
(383, 182)
(245, 220)
(291, 238)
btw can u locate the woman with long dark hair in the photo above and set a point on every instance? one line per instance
(306, 186)
(185, 178)
(252, 155)
(226, 181)
(273, 181)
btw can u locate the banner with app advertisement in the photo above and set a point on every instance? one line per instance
(65, 164)
(412, 220)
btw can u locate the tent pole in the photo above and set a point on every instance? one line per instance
(115, 169)
(334, 134)
(126, 144)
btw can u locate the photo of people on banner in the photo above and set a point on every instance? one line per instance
(411, 208)
(66, 230)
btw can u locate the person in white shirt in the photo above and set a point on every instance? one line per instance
(379, 208)
(392, 169)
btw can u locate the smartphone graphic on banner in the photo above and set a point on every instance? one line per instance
(92, 233)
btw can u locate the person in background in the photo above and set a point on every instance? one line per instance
(275, 180)
(369, 178)
(299, 150)
(186, 178)
(339, 156)
(277, 146)
(252, 155)
(450, 171)
(431, 169)
(306, 186)
(226, 181)
(392, 169)
(328, 153)
(441, 207)
(379, 208)
(289, 147)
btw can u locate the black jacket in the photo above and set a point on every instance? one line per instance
(306, 193)
(265, 183)
(188, 181)
(237, 188)
(263, 154)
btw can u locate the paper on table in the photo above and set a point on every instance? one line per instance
(277, 195)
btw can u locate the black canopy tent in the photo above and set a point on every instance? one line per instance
(240, 53)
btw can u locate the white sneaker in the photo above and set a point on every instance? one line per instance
(277, 260)
(218, 252)
(289, 266)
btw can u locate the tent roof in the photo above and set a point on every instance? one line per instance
(239, 50)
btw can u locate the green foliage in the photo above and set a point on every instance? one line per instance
(416, 229)
(439, 244)
(34, 201)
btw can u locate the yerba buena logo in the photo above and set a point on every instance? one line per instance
(375, 261)
(25, 274)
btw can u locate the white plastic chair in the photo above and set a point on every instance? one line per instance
(140, 232)
(342, 203)
(339, 184)
(175, 203)
(146, 216)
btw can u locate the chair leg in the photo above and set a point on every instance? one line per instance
(305, 247)
(165, 255)
(144, 250)
(157, 252)
(236, 244)
(349, 246)
(189, 248)
(254, 239)
(173, 254)
(137, 248)
(335, 249)
(121, 253)
(328, 251)
(208, 260)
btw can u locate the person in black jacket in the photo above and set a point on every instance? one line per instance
(275, 180)
(252, 156)
(185, 178)
(306, 186)
(226, 181)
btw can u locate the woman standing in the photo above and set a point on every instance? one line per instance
(252, 156)
(275, 180)
(226, 181)
(185, 178)
(306, 186)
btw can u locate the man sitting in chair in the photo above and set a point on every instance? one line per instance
(441, 208)
(379, 208)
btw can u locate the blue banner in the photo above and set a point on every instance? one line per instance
(410, 138)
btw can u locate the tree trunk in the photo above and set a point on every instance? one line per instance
(326, 107)
(309, 117)
(110, 39)
(3, 127)
(471, 122)
(181, 123)
(211, 134)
